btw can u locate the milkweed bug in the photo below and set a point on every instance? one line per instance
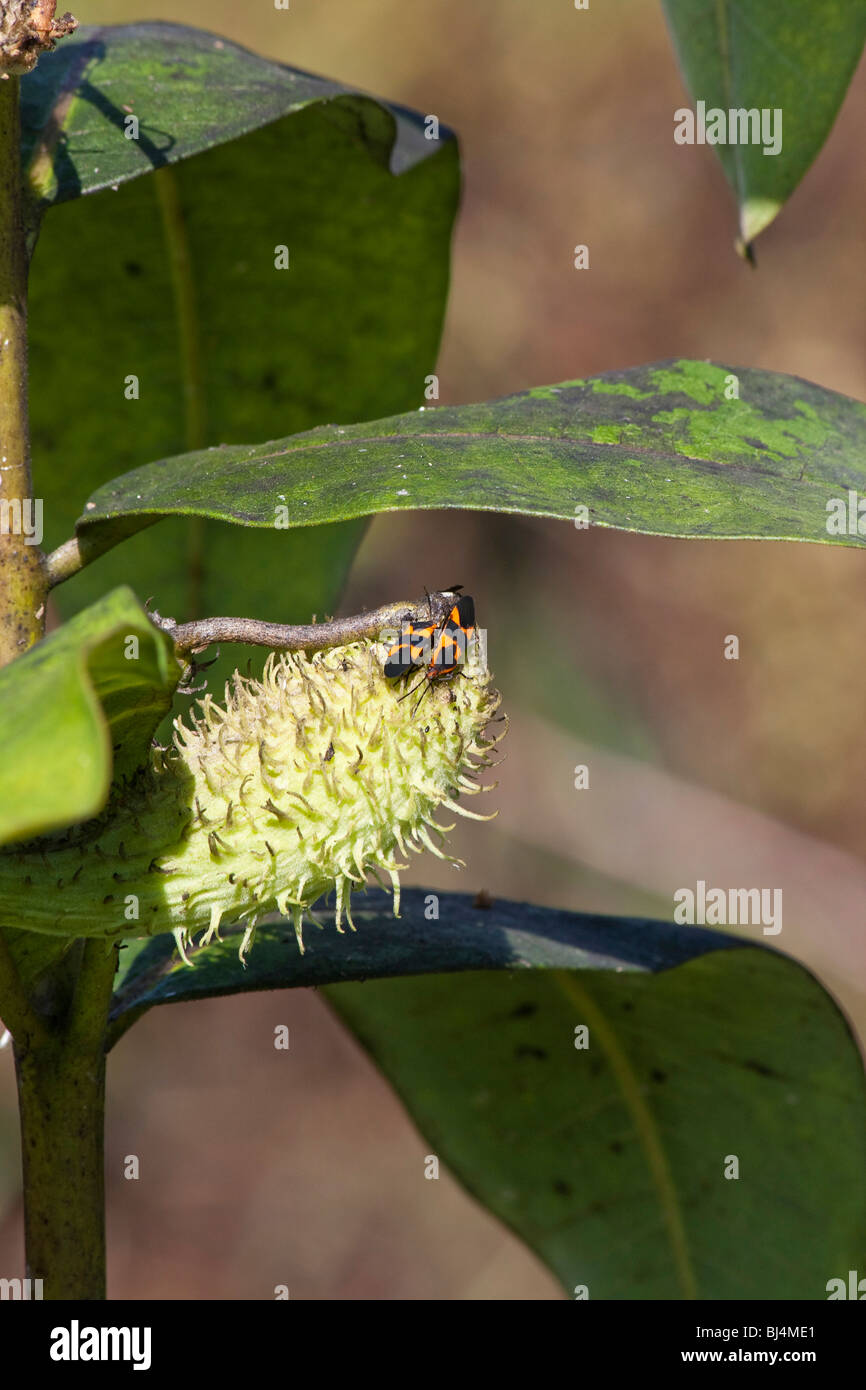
(439, 646)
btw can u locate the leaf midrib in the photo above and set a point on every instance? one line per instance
(645, 1125)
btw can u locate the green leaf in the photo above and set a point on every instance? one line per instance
(659, 449)
(175, 283)
(794, 57)
(510, 936)
(188, 90)
(82, 704)
(608, 1160)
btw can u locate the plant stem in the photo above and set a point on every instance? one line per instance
(61, 1091)
(15, 1007)
(194, 637)
(80, 550)
(22, 579)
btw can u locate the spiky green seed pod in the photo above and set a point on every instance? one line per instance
(299, 784)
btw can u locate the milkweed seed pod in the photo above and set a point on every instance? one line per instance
(298, 785)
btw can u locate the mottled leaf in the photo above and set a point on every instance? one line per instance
(679, 449)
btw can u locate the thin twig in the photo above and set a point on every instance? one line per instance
(88, 545)
(63, 562)
(194, 637)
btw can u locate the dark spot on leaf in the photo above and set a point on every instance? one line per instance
(525, 1050)
(561, 1187)
(628, 1007)
(269, 381)
(615, 1146)
(132, 267)
(658, 1075)
(524, 1010)
(761, 1069)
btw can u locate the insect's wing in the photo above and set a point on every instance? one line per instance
(399, 661)
(442, 660)
(410, 652)
(465, 611)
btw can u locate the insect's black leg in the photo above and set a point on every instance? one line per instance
(408, 692)
(427, 684)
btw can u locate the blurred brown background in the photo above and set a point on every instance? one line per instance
(261, 1167)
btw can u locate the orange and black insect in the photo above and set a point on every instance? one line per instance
(438, 646)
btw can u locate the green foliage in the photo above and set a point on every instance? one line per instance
(82, 704)
(279, 274)
(510, 936)
(189, 91)
(610, 1160)
(663, 449)
(602, 1157)
(176, 284)
(795, 57)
